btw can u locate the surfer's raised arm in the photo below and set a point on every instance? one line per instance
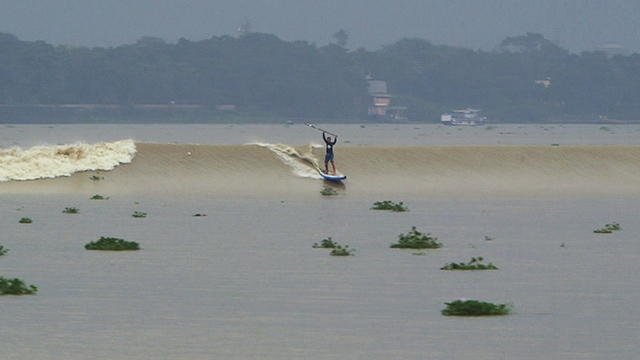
(324, 136)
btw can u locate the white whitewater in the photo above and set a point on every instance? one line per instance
(303, 165)
(40, 162)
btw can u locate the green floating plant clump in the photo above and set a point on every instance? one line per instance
(112, 244)
(608, 229)
(99, 197)
(416, 240)
(389, 205)
(602, 231)
(139, 214)
(340, 250)
(16, 287)
(336, 249)
(614, 226)
(326, 244)
(3, 250)
(474, 264)
(71, 210)
(25, 220)
(475, 308)
(329, 192)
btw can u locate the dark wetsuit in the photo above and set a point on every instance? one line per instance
(329, 156)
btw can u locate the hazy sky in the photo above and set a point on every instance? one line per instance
(478, 24)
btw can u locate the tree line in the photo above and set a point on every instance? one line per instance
(524, 79)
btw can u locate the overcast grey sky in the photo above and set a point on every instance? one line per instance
(576, 25)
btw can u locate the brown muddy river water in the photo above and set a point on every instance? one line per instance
(244, 282)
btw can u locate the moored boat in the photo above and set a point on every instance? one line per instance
(463, 117)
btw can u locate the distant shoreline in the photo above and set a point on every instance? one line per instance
(203, 114)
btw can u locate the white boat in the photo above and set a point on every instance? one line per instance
(463, 117)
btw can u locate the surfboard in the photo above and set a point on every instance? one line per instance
(337, 177)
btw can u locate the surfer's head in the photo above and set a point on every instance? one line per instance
(328, 138)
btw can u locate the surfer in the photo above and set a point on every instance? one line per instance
(329, 155)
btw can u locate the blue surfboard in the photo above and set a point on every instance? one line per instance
(337, 177)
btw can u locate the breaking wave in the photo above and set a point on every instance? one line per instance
(303, 165)
(41, 162)
(262, 169)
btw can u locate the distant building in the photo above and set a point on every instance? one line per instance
(380, 101)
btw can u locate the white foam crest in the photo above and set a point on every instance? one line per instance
(302, 165)
(63, 160)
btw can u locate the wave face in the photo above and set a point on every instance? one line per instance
(373, 171)
(303, 164)
(41, 162)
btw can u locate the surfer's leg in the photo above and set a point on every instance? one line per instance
(334, 167)
(327, 158)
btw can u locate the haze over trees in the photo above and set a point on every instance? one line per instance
(525, 79)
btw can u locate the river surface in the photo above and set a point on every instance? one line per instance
(244, 282)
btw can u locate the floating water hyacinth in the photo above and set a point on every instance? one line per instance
(112, 244)
(475, 308)
(139, 214)
(336, 249)
(329, 192)
(608, 228)
(389, 205)
(341, 250)
(473, 264)
(325, 244)
(16, 287)
(416, 240)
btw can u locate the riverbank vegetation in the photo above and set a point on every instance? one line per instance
(258, 77)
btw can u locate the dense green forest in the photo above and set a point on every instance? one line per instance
(525, 79)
